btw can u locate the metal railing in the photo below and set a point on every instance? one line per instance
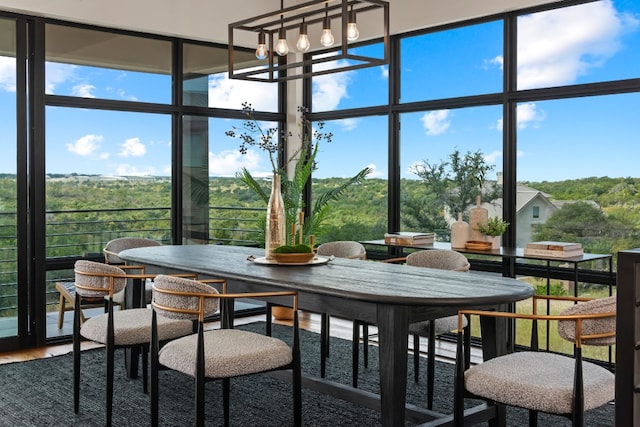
(83, 233)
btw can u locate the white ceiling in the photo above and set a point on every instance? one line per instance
(208, 19)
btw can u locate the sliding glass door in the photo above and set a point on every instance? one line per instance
(9, 301)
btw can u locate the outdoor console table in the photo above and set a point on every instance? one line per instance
(510, 254)
(387, 295)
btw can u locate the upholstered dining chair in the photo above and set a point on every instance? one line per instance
(114, 329)
(351, 250)
(217, 354)
(444, 260)
(543, 381)
(111, 251)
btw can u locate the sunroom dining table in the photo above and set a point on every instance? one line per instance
(387, 295)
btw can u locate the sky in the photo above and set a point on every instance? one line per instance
(560, 139)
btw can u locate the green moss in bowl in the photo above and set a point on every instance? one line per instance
(293, 249)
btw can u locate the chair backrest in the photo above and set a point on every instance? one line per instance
(118, 245)
(94, 279)
(343, 249)
(186, 305)
(567, 328)
(439, 258)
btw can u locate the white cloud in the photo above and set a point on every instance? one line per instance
(228, 162)
(492, 158)
(559, 45)
(124, 95)
(498, 60)
(56, 73)
(7, 74)
(436, 122)
(348, 124)
(330, 89)
(85, 145)
(132, 147)
(375, 173)
(230, 93)
(130, 170)
(527, 115)
(84, 90)
(384, 70)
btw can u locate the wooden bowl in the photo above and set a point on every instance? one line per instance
(477, 245)
(294, 258)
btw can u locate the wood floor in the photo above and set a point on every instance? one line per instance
(339, 328)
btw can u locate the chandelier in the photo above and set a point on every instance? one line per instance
(314, 23)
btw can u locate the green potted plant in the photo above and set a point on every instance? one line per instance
(304, 163)
(494, 228)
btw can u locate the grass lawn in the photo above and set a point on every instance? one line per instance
(549, 328)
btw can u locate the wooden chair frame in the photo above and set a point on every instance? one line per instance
(227, 300)
(110, 344)
(68, 299)
(577, 416)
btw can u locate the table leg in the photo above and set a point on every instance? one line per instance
(133, 294)
(393, 330)
(495, 335)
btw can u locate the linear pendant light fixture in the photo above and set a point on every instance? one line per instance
(312, 23)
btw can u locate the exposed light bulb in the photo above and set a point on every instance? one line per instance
(282, 48)
(261, 51)
(352, 28)
(326, 39)
(303, 43)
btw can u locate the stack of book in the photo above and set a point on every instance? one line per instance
(554, 249)
(409, 238)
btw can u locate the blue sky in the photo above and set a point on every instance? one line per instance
(556, 139)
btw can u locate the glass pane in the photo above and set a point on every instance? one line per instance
(352, 89)
(587, 189)
(459, 62)
(8, 184)
(108, 176)
(360, 213)
(587, 43)
(228, 210)
(447, 158)
(206, 82)
(98, 64)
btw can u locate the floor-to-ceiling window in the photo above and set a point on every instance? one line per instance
(108, 164)
(119, 150)
(217, 206)
(575, 153)
(541, 101)
(8, 183)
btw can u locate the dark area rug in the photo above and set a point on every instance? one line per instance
(40, 393)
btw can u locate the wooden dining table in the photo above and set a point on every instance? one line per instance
(387, 295)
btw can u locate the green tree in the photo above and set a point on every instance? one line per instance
(453, 184)
(574, 222)
(587, 224)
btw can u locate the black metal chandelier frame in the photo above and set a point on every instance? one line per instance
(276, 69)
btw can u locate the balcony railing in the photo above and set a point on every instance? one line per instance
(83, 233)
